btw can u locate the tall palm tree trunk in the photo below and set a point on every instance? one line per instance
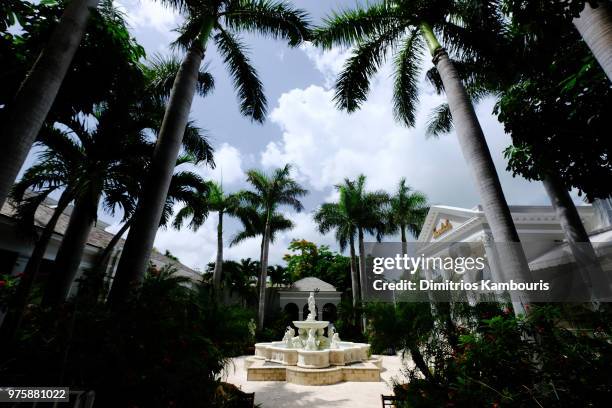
(404, 240)
(71, 250)
(354, 272)
(362, 273)
(577, 238)
(137, 249)
(27, 112)
(219, 262)
(14, 316)
(263, 276)
(595, 27)
(478, 157)
(354, 280)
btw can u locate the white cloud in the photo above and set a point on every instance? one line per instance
(328, 145)
(150, 14)
(228, 167)
(328, 62)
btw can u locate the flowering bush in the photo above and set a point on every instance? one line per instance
(485, 356)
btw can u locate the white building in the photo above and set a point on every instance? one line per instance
(16, 247)
(538, 227)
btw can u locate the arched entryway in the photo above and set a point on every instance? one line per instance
(329, 312)
(292, 312)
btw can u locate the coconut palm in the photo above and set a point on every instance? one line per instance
(37, 93)
(214, 201)
(216, 20)
(269, 192)
(407, 27)
(408, 210)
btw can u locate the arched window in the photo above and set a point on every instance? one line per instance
(292, 311)
(305, 312)
(329, 312)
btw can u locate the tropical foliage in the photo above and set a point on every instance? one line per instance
(111, 132)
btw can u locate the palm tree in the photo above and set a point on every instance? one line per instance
(337, 216)
(108, 156)
(368, 211)
(523, 49)
(37, 93)
(205, 20)
(253, 220)
(406, 27)
(186, 187)
(214, 201)
(58, 170)
(278, 275)
(407, 213)
(239, 277)
(595, 26)
(270, 192)
(61, 165)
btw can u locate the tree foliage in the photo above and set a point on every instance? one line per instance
(306, 259)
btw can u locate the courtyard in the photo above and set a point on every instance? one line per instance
(270, 394)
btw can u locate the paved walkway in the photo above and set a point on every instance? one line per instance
(272, 394)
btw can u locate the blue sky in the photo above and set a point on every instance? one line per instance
(304, 129)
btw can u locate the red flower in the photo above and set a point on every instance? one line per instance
(2, 283)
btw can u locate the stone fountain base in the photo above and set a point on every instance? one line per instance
(311, 358)
(347, 353)
(260, 369)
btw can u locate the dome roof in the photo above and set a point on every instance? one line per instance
(311, 284)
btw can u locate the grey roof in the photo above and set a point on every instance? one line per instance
(98, 237)
(311, 284)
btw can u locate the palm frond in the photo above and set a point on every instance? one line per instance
(349, 27)
(160, 72)
(440, 121)
(405, 88)
(246, 81)
(195, 143)
(275, 19)
(353, 83)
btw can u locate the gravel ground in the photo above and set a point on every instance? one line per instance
(272, 394)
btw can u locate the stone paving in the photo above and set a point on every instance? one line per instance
(273, 394)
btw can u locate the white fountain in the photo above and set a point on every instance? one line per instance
(310, 358)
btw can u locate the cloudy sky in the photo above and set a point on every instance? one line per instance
(324, 144)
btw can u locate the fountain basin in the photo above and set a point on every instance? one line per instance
(313, 359)
(347, 353)
(310, 324)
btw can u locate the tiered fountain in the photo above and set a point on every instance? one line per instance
(310, 358)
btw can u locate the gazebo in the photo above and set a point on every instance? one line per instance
(294, 300)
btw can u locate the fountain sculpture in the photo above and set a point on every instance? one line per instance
(310, 357)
